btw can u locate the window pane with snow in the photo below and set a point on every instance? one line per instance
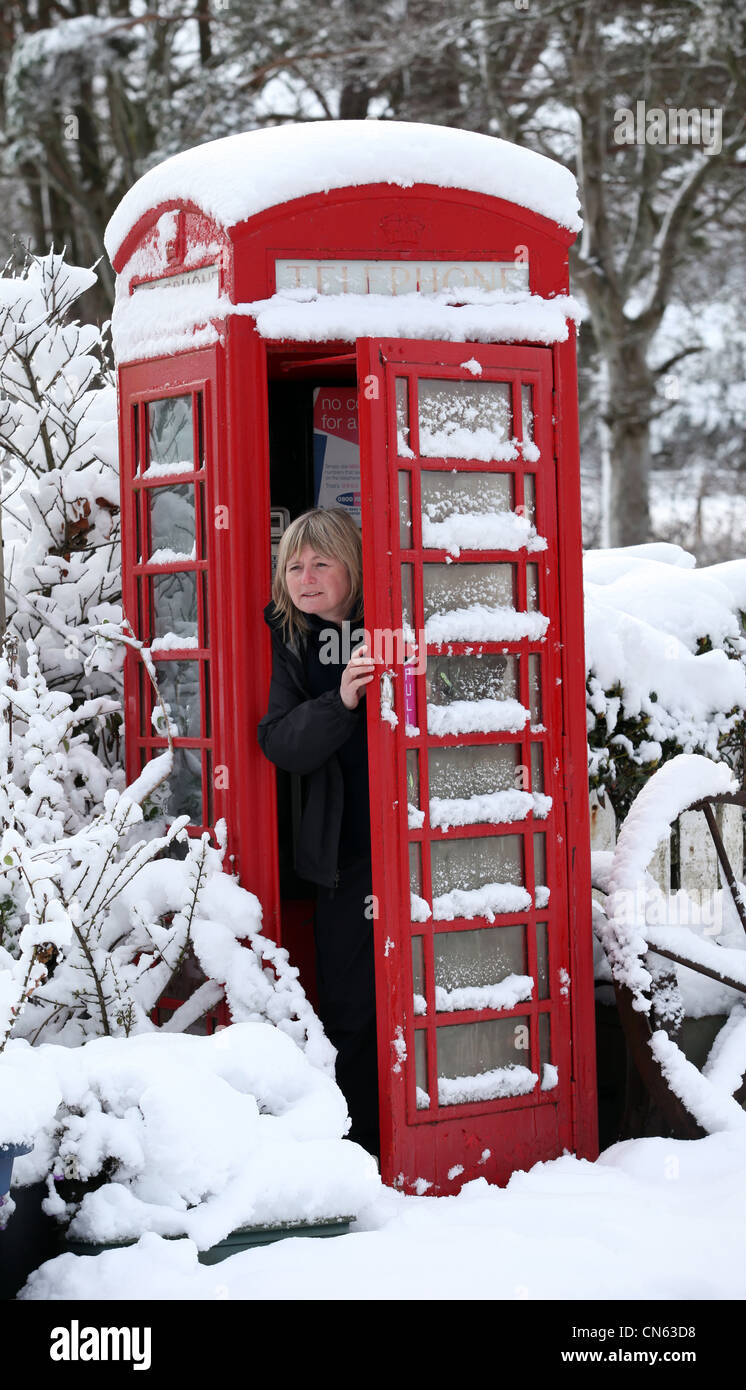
(173, 607)
(471, 511)
(477, 785)
(179, 686)
(478, 771)
(529, 497)
(484, 1061)
(418, 975)
(173, 534)
(483, 969)
(541, 891)
(415, 814)
(420, 1069)
(534, 688)
(185, 786)
(532, 588)
(492, 676)
(465, 419)
(455, 587)
(170, 435)
(478, 877)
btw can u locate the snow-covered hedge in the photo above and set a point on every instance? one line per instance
(665, 655)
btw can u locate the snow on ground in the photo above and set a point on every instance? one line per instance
(196, 1135)
(651, 1219)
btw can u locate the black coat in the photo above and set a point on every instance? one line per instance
(301, 733)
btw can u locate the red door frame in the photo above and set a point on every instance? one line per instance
(444, 1148)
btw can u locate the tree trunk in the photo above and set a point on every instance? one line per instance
(629, 389)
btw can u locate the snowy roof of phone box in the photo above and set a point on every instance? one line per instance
(236, 177)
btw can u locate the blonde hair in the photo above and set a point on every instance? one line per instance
(329, 531)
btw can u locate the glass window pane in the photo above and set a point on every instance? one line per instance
(491, 676)
(484, 1061)
(483, 969)
(179, 686)
(529, 497)
(540, 859)
(545, 1047)
(534, 688)
(173, 534)
(138, 502)
(542, 961)
(170, 435)
(478, 785)
(202, 522)
(532, 588)
(537, 767)
(210, 785)
(420, 1068)
(478, 771)
(145, 691)
(206, 679)
(465, 419)
(477, 877)
(403, 448)
(204, 609)
(185, 786)
(415, 868)
(458, 586)
(527, 412)
(415, 814)
(407, 600)
(470, 510)
(174, 606)
(406, 539)
(418, 975)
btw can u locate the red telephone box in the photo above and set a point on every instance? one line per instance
(273, 306)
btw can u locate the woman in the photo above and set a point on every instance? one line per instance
(315, 726)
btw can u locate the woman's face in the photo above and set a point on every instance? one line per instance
(318, 584)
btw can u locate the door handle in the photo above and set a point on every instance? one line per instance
(387, 699)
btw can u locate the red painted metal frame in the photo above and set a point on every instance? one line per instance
(429, 1144)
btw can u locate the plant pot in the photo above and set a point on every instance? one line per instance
(243, 1239)
(8, 1152)
(251, 1236)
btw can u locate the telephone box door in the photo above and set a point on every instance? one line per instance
(465, 720)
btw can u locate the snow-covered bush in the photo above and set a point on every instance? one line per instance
(190, 1136)
(665, 656)
(133, 921)
(50, 782)
(58, 456)
(77, 858)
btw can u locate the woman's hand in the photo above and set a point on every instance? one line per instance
(359, 670)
